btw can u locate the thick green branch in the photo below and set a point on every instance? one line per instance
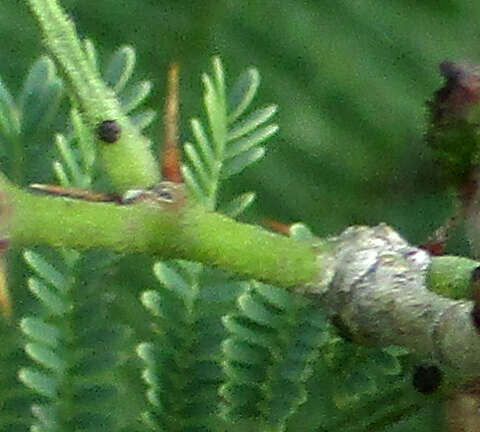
(190, 233)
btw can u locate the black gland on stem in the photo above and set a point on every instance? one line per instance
(109, 131)
(427, 378)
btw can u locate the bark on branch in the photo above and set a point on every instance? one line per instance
(375, 283)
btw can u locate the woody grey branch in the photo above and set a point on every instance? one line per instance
(375, 283)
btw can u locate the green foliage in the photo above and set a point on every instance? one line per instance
(28, 117)
(77, 148)
(118, 74)
(23, 119)
(129, 163)
(71, 344)
(40, 96)
(454, 147)
(306, 378)
(275, 338)
(287, 369)
(235, 141)
(368, 389)
(220, 353)
(15, 399)
(183, 359)
(351, 80)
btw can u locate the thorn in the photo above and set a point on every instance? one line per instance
(279, 227)
(76, 193)
(475, 282)
(435, 245)
(6, 212)
(434, 248)
(5, 300)
(171, 170)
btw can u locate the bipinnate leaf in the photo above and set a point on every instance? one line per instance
(233, 141)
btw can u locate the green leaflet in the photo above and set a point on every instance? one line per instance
(15, 399)
(135, 95)
(143, 119)
(37, 330)
(233, 141)
(120, 68)
(275, 337)
(182, 361)
(40, 382)
(238, 205)
(28, 118)
(9, 119)
(242, 93)
(40, 96)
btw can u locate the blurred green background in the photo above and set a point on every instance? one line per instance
(351, 79)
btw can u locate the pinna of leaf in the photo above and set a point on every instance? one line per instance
(169, 192)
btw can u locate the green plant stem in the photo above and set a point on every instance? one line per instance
(191, 233)
(451, 276)
(128, 162)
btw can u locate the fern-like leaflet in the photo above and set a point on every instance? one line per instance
(182, 361)
(234, 142)
(275, 338)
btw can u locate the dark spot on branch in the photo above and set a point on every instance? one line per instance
(427, 378)
(342, 328)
